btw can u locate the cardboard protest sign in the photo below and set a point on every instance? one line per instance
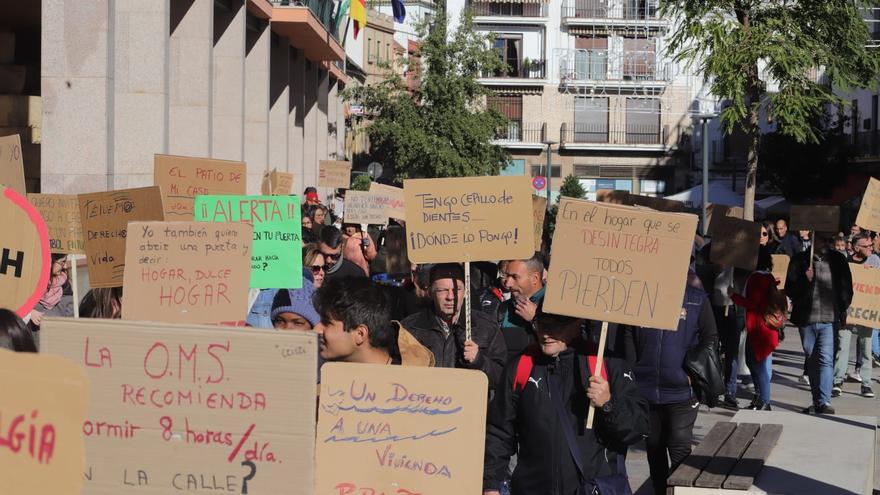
(42, 407)
(105, 217)
(392, 198)
(658, 204)
(780, 267)
(182, 178)
(819, 218)
(334, 173)
(539, 210)
(365, 207)
(735, 243)
(61, 214)
(612, 196)
(619, 264)
(276, 183)
(869, 211)
(865, 307)
(417, 431)
(187, 272)
(12, 164)
(193, 408)
(715, 212)
(25, 259)
(396, 259)
(469, 219)
(276, 253)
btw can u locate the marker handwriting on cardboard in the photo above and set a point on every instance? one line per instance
(25, 434)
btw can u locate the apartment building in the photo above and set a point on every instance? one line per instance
(591, 77)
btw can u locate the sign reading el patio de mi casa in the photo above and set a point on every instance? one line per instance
(469, 219)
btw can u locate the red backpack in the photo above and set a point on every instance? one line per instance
(527, 360)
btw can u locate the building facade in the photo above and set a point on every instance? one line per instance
(249, 80)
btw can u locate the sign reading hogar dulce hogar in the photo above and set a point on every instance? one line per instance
(469, 219)
(619, 264)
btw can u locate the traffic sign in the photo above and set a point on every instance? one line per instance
(539, 182)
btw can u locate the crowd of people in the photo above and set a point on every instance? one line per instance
(540, 365)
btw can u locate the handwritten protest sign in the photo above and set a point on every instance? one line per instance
(42, 407)
(276, 258)
(869, 212)
(420, 431)
(365, 207)
(619, 264)
(716, 212)
(276, 183)
(61, 214)
(865, 307)
(187, 272)
(105, 217)
(392, 198)
(193, 409)
(12, 164)
(396, 259)
(469, 219)
(334, 173)
(539, 210)
(182, 178)
(819, 218)
(735, 242)
(658, 204)
(780, 267)
(25, 258)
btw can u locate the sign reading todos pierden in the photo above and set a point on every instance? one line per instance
(469, 219)
(619, 264)
(276, 259)
(187, 272)
(418, 432)
(192, 409)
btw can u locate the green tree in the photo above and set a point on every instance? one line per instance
(571, 187)
(442, 129)
(361, 183)
(730, 40)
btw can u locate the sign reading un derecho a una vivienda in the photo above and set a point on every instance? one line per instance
(619, 264)
(469, 219)
(192, 409)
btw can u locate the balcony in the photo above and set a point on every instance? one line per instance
(605, 68)
(599, 136)
(643, 13)
(508, 12)
(529, 135)
(528, 69)
(309, 26)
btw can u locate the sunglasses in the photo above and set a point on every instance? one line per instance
(331, 256)
(318, 268)
(764, 234)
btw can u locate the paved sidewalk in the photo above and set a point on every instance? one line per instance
(787, 395)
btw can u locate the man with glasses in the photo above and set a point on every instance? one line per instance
(863, 254)
(335, 266)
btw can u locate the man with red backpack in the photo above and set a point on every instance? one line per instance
(540, 410)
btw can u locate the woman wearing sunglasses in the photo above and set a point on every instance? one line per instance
(314, 261)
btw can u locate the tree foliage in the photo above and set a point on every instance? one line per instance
(744, 47)
(361, 183)
(443, 128)
(571, 187)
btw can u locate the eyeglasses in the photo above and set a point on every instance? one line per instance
(764, 234)
(331, 256)
(317, 268)
(865, 246)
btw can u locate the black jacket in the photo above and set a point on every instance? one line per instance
(448, 349)
(800, 289)
(525, 422)
(344, 269)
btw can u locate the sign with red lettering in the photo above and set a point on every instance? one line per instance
(25, 259)
(362, 207)
(187, 272)
(61, 214)
(42, 408)
(105, 217)
(865, 307)
(619, 264)
(334, 173)
(539, 210)
(182, 178)
(392, 198)
(382, 429)
(193, 409)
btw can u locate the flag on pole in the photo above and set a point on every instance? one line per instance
(341, 13)
(399, 11)
(358, 14)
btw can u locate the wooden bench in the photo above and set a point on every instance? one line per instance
(730, 457)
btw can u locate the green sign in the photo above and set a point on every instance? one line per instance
(276, 262)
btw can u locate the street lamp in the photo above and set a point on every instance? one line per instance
(549, 143)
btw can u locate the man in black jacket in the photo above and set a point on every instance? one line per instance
(336, 266)
(525, 416)
(441, 327)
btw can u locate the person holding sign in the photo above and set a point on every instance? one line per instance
(821, 290)
(539, 412)
(524, 280)
(441, 327)
(336, 267)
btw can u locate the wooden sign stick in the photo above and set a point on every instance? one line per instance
(600, 356)
(467, 300)
(71, 258)
(812, 246)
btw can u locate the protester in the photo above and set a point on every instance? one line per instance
(441, 327)
(523, 279)
(311, 196)
(806, 239)
(313, 261)
(335, 265)
(102, 303)
(359, 247)
(54, 302)
(539, 414)
(768, 238)
(658, 358)
(862, 255)
(308, 234)
(840, 245)
(356, 326)
(821, 292)
(14, 333)
(789, 243)
(292, 309)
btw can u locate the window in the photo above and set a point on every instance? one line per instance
(510, 107)
(370, 50)
(586, 170)
(652, 187)
(643, 121)
(539, 170)
(591, 59)
(509, 48)
(590, 120)
(639, 59)
(506, 8)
